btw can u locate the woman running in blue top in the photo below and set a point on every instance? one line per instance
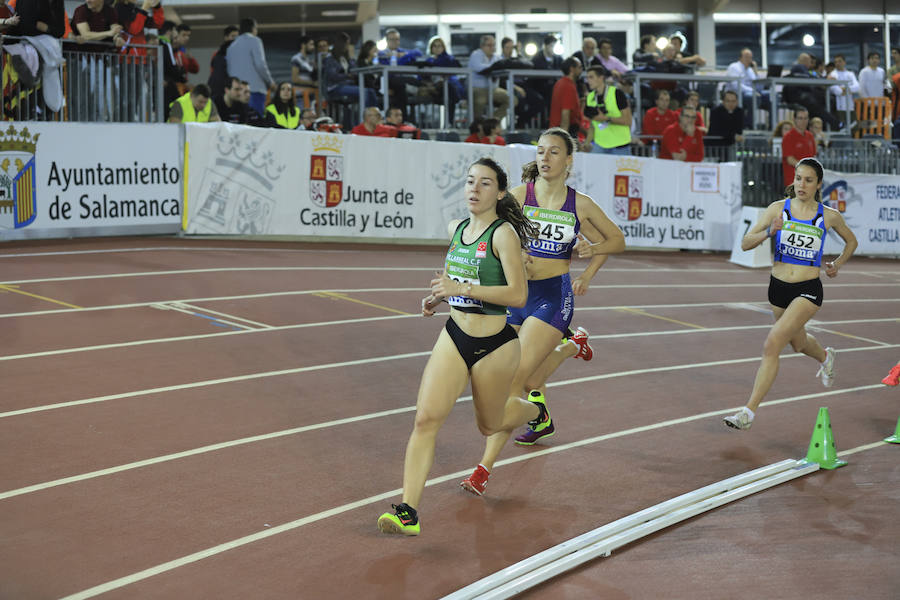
(799, 225)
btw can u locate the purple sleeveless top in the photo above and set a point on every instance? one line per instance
(558, 228)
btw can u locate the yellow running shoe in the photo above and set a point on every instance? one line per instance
(405, 520)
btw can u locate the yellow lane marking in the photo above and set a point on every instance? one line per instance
(646, 314)
(363, 302)
(10, 288)
(847, 335)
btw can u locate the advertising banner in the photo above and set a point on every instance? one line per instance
(658, 203)
(871, 208)
(275, 182)
(88, 177)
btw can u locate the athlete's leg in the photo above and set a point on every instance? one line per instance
(789, 325)
(443, 381)
(491, 380)
(565, 350)
(538, 339)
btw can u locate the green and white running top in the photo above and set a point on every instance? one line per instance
(475, 263)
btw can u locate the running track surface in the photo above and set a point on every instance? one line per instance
(223, 419)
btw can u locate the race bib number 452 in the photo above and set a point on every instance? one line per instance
(800, 240)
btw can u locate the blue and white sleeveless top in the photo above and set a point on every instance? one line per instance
(800, 242)
(557, 228)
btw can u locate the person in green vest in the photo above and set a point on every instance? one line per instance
(282, 112)
(610, 115)
(194, 107)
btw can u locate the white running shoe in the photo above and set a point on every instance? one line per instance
(739, 420)
(826, 371)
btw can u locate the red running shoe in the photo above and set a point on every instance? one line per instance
(580, 338)
(893, 377)
(477, 481)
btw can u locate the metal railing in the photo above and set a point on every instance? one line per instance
(96, 86)
(386, 70)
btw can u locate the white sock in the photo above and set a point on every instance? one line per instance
(484, 467)
(749, 413)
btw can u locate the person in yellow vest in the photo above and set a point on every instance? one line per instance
(282, 112)
(607, 108)
(194, 107)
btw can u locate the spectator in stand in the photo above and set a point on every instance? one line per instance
(336, 74)
(610, 114)
(693, 100)
(173, 74)
(529, 101)
(817, 127)
(872, 78)
(37, 17)
(395, 55)
(480, 60)
(253, 118)
(565, 105)
(247, 61)
(303, 67)
(797, 144)
(218, 65)
(439, 57)
(179, 45)
(403, 129)
(806, 96)
(682, 140)
(588, 54)
(647, 55)
(94, 21)
(546, 59)
(726, 121)
(745, 68)
(491, 128)
(372, 126)
(843, 94)
(194, 107)
(894, 77)
(680, 45)
(476, 132)
(134, 20)
(282, 111)
(229, 105)
(612, 64)
(659, 117)
(308, 118)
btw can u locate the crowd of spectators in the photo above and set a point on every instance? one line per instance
(589, 93)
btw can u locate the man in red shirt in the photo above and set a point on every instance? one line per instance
(659, 117)
(797, 144)
(565, 106)
(683, 140)
(372, 126)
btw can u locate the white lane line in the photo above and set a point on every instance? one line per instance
(37, 313)
(177, 249)
(337, 510)
(862, 448)
(208, 382)
(226, 315)
(382, 269)
(421, 290)
(370, 416)
(182, 308)
(273, 328)
(817, 327)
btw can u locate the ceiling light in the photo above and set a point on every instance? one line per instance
(661, 42)
(338, 13)
(808, 40)
(199, 17)
(530, 49)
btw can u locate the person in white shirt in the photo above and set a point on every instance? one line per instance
(479, 60)
(745, 68)
(871, 78)
(844, 94)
